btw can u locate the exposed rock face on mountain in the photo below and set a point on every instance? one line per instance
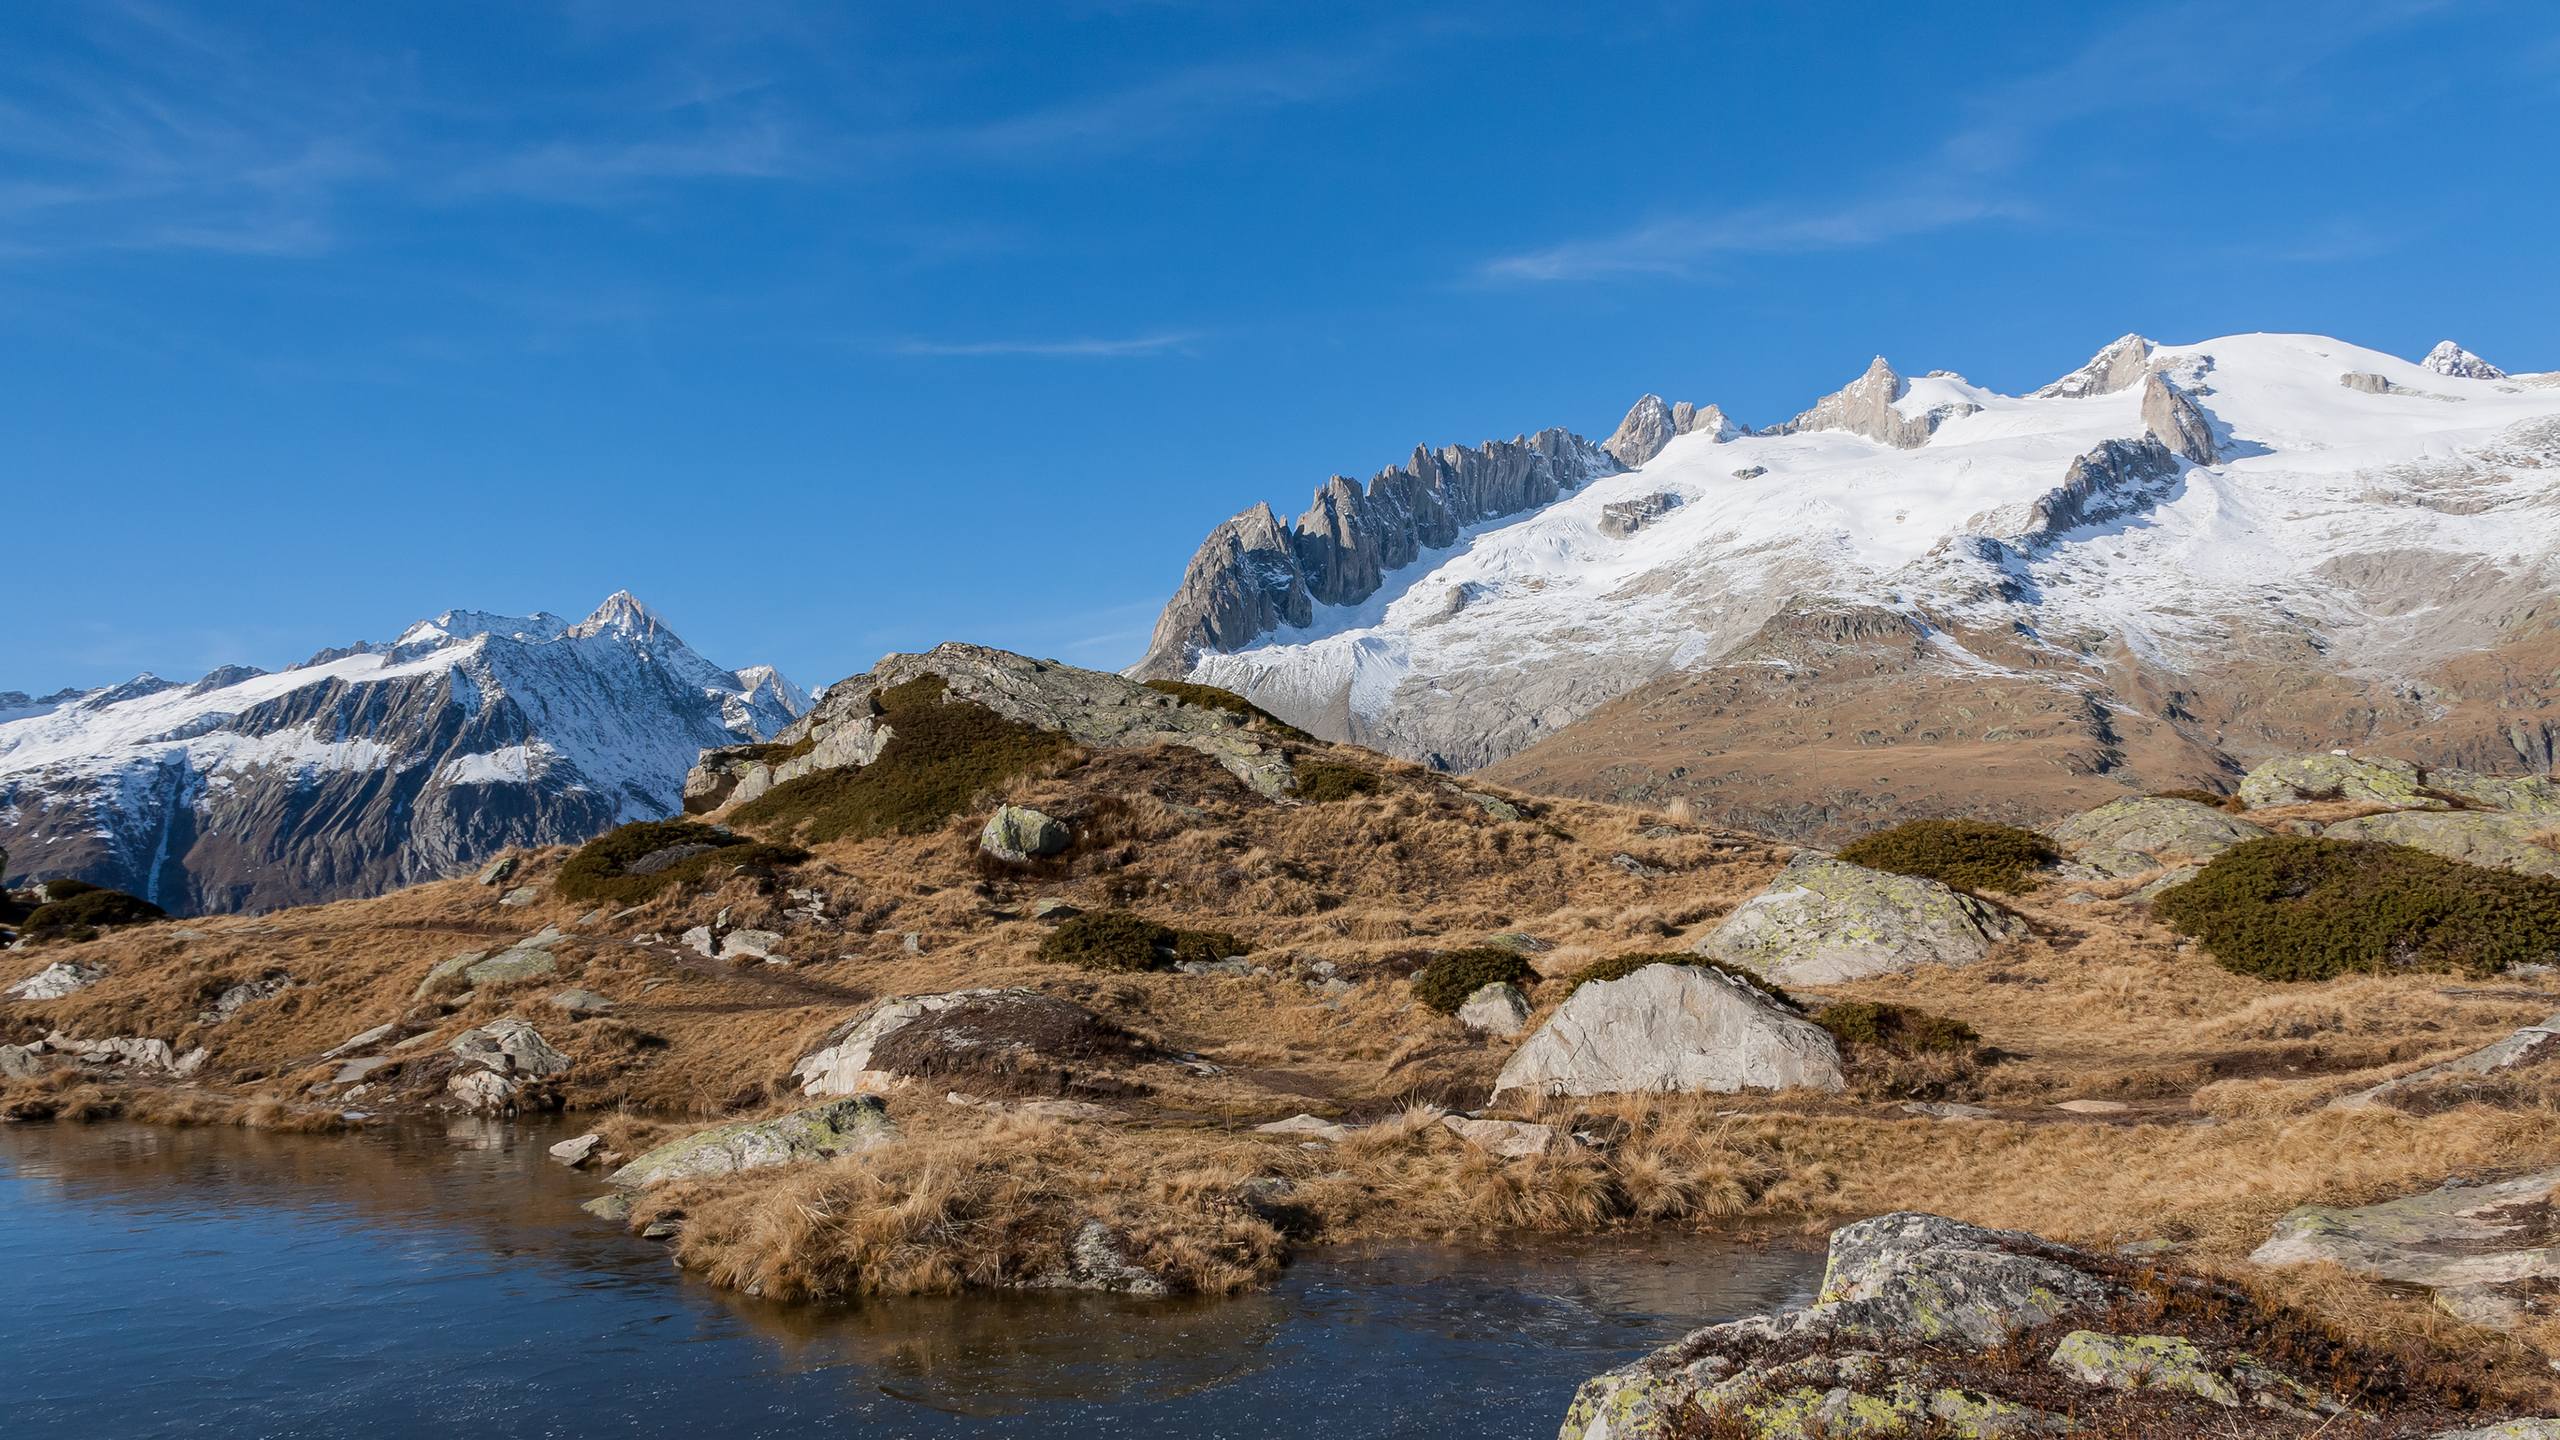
(1252, 576)
(1921, 594)
(1651, 424)
(372, 766)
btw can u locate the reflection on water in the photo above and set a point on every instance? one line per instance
(227, 1283)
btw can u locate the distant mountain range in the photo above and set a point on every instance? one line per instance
(372, 766)
(1922, 594)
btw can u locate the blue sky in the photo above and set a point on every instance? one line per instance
(832, 329)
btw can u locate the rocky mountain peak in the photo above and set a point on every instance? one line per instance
(621, 614)
(1865, 406)
(1652, 423)
(2451, 359)
(2121, 364)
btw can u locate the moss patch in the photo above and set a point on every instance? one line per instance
(1445, 983)
(602, 870)
(1211, 697)
(1118, 940)
(1321, 781)
(1968, 854)
(941, 756)
(2295, 907)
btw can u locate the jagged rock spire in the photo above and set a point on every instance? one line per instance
(2120, 365)
(1865, 407)
(1651, 424)
(2174, 418)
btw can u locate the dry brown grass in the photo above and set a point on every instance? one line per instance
(2098, 1002)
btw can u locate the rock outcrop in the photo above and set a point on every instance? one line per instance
(2129, 837)
(1926, 1326)
(1007, 1041)
(1652, 424)
(1089, 707)
(1669, 1028)
(839, 1127)
(2119, 366)
(1865, 406)
(53, 982)
(497, 1062)
(1251, 577)
(2535, 1048)
(2483, 1249)
(1622, 518)
(2363, 779)
(2493, 838)
(2176, 421)
(1824, 921)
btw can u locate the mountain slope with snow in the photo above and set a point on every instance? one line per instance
(372, 766)
(2163, 514)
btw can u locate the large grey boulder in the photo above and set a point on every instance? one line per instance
(2363, 779)
(1013, 1039)
(2481, 1248)
(53, 982)
(1824, 921)
(1672, 1028)
(2533, 1047)
(1016, 833)
(1903, 1339)
(836, 1128)
(2129, 837)
(2493, 838)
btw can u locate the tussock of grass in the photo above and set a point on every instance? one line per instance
(2292, 907)
(1968, 854)
(599, 871)
(1234, 704)
(1324, 781)
(1445, 983)
(87, 910)
(1116, 940)
(941, 756)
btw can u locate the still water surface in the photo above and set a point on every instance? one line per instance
(443, 1282)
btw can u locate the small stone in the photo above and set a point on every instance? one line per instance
(614, 1208)
(750, 945)
(699, 941)
(1053, 909)
(1510, 1139)
(500, 870)
(357, 1070)
(2094, 1107)
(519, 897)
(483, 1092)
(576, 1152)
(1946, 1110)
(1017, 833)
(1306, 1125)
(1495, 1009)
(581, 1003)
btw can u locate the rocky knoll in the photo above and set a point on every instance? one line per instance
(1672, 1028)
(1092, 708)
(2491, 1253)
(2128, 837)
(1008, 1041)
(1824, 921)
(835, 1128)
(1928, 1327)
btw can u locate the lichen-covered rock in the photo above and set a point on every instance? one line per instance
(580, 1003)
(839, 1127)
(1011, 1040)
(508, 967)
(2364, 779)
(2493, 838)
(2519, 794)
(1824, 921)
(1016, 833)
(1090, 707)
(1097, 1258)
(446, 974)
(1672, 1028)
(2533, 1047)
(509, 1047)
(483, 1092)
(2506, 1430)
(23, 1062)
(2480, 1248)
(1495, 1009)
(500, 870)
(1509, 1139)
(2129, 837)
(53, 982)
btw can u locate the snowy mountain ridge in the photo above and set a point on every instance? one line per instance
(2182, 504)
(372, 765)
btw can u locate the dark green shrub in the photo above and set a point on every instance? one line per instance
(1321, 781)
(2204, 797)
(65, 889)
(941, 756)
(2293, 907)
(90, 908)
(1234, 704)
(1968, 854)
(1118, 940)
(600, 870)
(1451, 976)
(1619, 967)
(1896, 1028)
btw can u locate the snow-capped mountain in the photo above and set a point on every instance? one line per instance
(372, 766)
(2177, 541)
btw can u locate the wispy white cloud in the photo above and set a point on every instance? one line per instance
(1684, 246)
(1080, 347)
